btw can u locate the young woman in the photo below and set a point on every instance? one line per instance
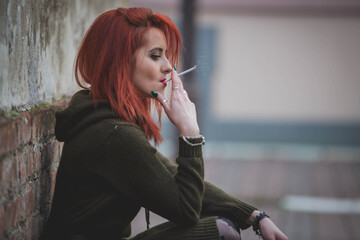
(108, 168)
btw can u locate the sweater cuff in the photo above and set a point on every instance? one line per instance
(242, 212)
(185, 150)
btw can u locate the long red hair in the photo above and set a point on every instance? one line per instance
(105, 61)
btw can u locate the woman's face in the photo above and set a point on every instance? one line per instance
(151, 64)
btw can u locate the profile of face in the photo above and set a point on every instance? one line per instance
(151, 64)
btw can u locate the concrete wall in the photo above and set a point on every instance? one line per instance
(38, 43)
(283, 67)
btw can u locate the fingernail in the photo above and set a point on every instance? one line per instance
(175, 67)
(155, 94)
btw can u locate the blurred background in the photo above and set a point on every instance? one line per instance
(277, 92)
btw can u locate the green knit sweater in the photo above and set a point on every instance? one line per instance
(109, 170)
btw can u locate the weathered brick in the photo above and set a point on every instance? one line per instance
(52, 186)
(24, 158)
(39, 155)
(8, 175)
(12, 214)
(23, 123)
(29, 164)
(26, 233)
(36, 159)
(48, 153)
(43, 121)
(36, 125)
(2, 221)
(8, 137)
(22, 232)
(15, 132)
(3, 185)
(14, 237)
(37, 192)
(53, 152)
(28, 202)
(37, 224)
(57, 154)
(45, 193)
(49, 122)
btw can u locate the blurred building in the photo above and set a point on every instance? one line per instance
(278, 82)
(276, 78)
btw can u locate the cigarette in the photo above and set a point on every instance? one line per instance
(184, 72)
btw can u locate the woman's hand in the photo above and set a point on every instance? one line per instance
(179, 109)
(269, 231)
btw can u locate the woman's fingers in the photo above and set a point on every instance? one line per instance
(176, 80)
(161, 98)
(177, 87)
(179, 109)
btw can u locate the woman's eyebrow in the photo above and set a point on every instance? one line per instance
(156, 49)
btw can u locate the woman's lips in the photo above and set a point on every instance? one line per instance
(163, 82)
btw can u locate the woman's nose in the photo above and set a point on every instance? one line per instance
(166, 68)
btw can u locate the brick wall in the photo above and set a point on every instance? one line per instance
(38, 44)
(29, 157)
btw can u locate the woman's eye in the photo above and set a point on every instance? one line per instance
(155, 57)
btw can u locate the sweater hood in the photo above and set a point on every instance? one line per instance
(80, 114)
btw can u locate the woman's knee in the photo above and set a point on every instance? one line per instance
(227, 229)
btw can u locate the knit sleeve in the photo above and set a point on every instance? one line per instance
(216, 202)
(133, 167)
(219, 203)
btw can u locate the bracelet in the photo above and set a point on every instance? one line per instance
(256, 225)
(186, 140)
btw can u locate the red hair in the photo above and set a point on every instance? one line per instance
(105, 61)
